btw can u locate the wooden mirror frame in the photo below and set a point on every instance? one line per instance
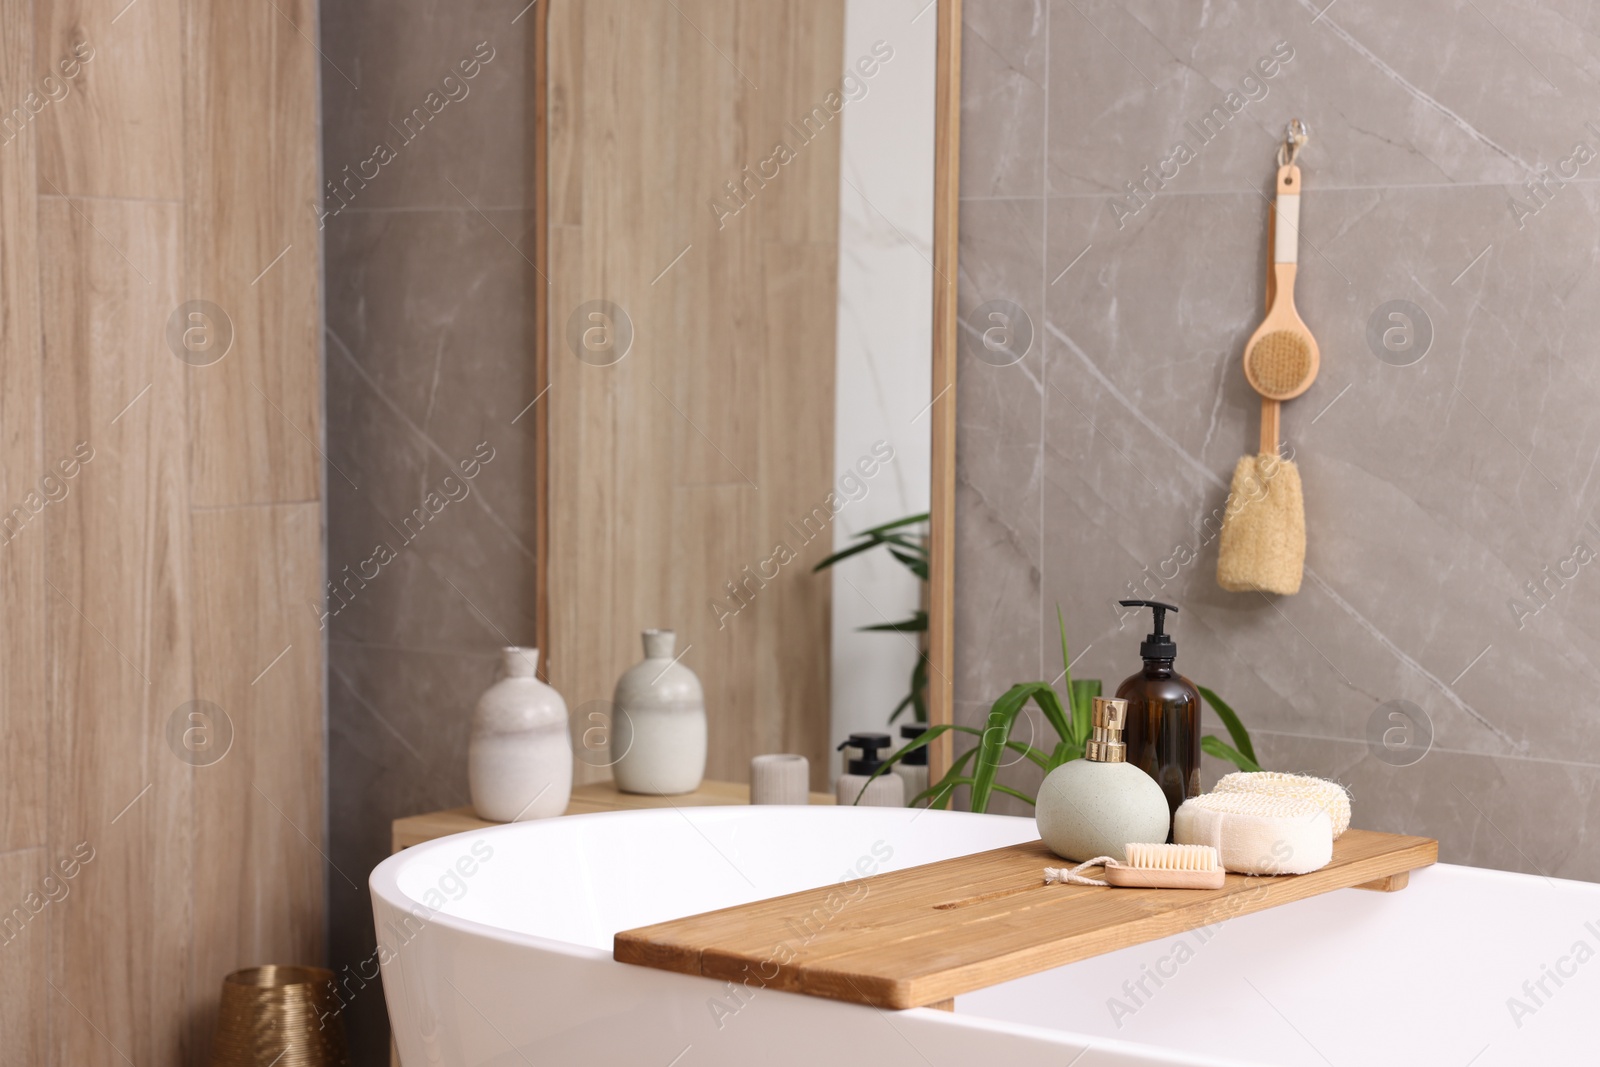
(942, 496)
(942, 490)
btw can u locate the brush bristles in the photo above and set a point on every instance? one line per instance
(1279, 362)
(1172, 857)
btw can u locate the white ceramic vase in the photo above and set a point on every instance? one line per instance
(519, 760)
(658, 738)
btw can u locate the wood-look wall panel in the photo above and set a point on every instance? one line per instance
(24, 723)
(796, 406)
(700, 564)
(258, 655)
(658, 499)
(25, 1006)
(24, 995)
(120, 623)
(582, 532)
(252, 113)
(115, 130)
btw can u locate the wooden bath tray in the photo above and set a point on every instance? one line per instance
(918, 937)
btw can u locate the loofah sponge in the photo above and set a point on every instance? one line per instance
(1331, 795)
(1258, 833)
(1262, 547)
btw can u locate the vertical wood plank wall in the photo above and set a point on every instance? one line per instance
(710, 443)
(174, 163)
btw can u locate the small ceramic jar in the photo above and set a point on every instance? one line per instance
(519, 759)
(658, 738)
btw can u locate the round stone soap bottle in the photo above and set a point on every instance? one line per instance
(658, 741)
(1100, 804)
(519, 756)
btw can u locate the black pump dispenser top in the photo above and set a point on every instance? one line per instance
(916, 757)
(1159, 645)
(869, 744)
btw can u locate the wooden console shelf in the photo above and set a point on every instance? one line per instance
(918, 937)
(586, 800)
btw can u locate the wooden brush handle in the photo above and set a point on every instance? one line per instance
(1269, 425)
(1270, 408)
(1286, 217)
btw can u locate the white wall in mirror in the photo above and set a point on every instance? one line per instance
(885, 341)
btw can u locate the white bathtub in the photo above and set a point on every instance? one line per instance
(496, 950)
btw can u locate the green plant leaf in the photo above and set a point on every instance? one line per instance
(1066, 660)
(895, 525)
(1216, 746)
(1050, 704)
(996, 732)
(1082, 692)
(1065, 752)
(1015, 793)
(945, 787)
(944, 791)
(1236, 730)
(920, 741)
(915, 564)
(917, 624)
(845, 553)
(914, 547)
(905, 702)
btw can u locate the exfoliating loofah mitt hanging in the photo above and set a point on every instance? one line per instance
(1262, 547)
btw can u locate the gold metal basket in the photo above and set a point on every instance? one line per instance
(279, 1016)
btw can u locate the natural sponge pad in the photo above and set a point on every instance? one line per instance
(1262, 547)
(1255, 833)
(1331, 795)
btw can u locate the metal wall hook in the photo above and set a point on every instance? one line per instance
(1295, 136)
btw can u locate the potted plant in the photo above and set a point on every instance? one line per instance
(978, 768)
(911, 549)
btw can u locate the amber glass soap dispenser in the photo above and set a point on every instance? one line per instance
(1163, 732)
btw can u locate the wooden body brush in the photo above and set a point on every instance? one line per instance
(1262, 547)
(1281, 357)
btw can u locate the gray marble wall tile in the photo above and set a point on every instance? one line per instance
(429, 311)
(398, 82)
(398, 729)
(998, 432)
(430, 323)
(1002, 89)
(1451, 494)
(1538, 817)
(1427, 93)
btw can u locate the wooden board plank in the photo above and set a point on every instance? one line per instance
(113, 126)
(24, 721)
(24, 938)
(117, 555)
(251, 248)
(921, 936)
(258, 656)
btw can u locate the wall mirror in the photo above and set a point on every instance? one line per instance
(747, 366)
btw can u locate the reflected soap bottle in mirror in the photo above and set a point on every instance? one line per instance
(858, 786)
(913, 767)
(658, 741)
(1163, 733)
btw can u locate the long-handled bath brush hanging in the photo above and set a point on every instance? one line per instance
(1263, 541)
